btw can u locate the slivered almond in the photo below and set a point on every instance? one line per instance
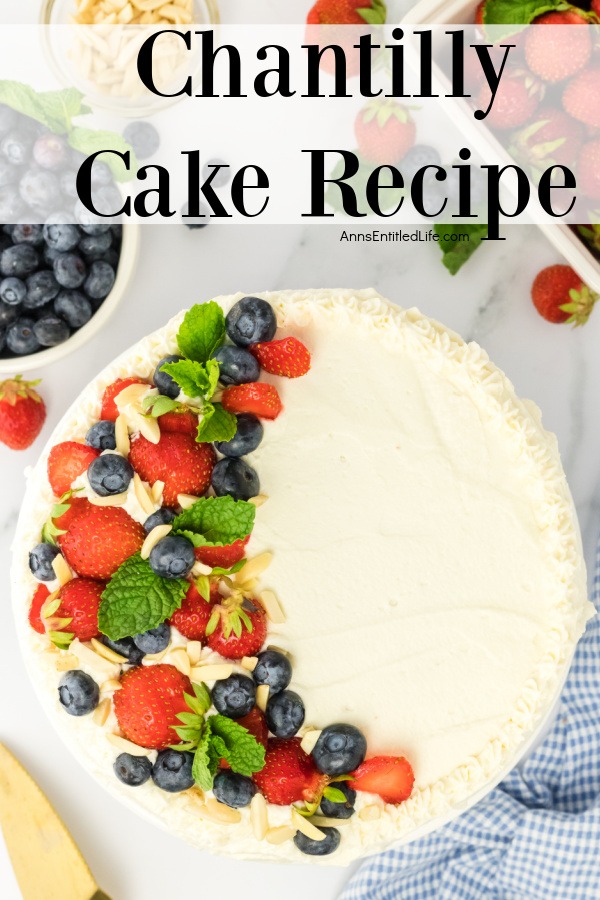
(66, 662)
(102, 711)
(157, 491)
(258, 817)
(194, 651)
(133, 393)
(115, 500)
(186, 500)
(125, 746)
(216, 672)
(304, 825)
(310, 739)
(180, 660)
(272, 607)
(87, 657)
(370, 813)
(280, 834)
(61, 569)
(123, 444)
(254, 567)
(143, 495)
(146, 425)
(106, 653)
(279, 650)
(156, 535)
(152, 658)
(262, 696)
(249, 662)
(219, 813)
(250, 586)
(327, 822)
(200, 569)
(111, 685)
(258, 500)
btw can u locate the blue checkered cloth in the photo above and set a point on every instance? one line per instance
(534, 837)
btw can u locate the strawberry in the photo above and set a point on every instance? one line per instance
(22, 413)
(516, 100)
(588, 170)
(288, 357)
(346, 12)
(391, 777)
(184, 465)
(237, 627)
(552, 137)
(581, 97)
(148, 703)
(256, 723)
(596, 7)
(554, 54)
(79, 602)
(323, 28)
(479, 13)
(385, 132)
(35, 609)
(76, 506)
(255, 397)
(226, 557)
(183, 422)
(193, 615)
(99, 539)
(559, 295)
(66, 462)
(109, 407)
(289, 774)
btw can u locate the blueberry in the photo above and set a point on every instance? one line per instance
(101, 174)
(172, 557)
(42, 287)
(8, 314)
(110, 474)
(21, 339)
(417, 157)
(248, 436)
(339, 810)
(223, 174)
(16, 147)
(61, 237)
(235, 477)
(274, 669)
(233, 790)
(28, 234)
(68, 184)
(19, 261)
(340, 749)
(100, 280)
(192, 222)
(132, 770)
(78, 693)
(12, 291)
(101, 436)
(70, 270)
(324, 847)
(95, 227)
(172, 771)
(92, 244)
(40, 561)
(251, 320)
(163, 382)
(8, 118)
(40, 190)
(143, 137)
(51, 151)
(12, 205)
(51, 331)
(162, 516)
(155, 640)
(235, 696)
(285, 714)
(50, 255)
(8, 174)
(125, 647)
(74, 307)
(237, 366)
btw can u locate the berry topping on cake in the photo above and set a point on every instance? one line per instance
(285, 714)
(35, 608)
(287, 357)
(132, 770)
(273, 669)
(77, 614)
(172, 771)
(99, 540)
(78, 693)
(340, 748)
(182, 464)
(162, 516)
(101, 436)
(180, 421)
(289, 775)
(224, 557)
(237, 627)
(125, 647)
(322, 847)
(172, 557)
(235, 696)
(235, 478)
(149, 702)
(236, 365)
(251, 320)
(110, 474)
(155, 640)
(40, 561)
(257, 397)
(256, 723)
(193, 615)
(165, 383)
(391, 777)
(66, 462)
(233, 790)
(338, 808)
(109, 407)
(249, 433)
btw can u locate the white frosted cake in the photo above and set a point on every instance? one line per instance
(426, 582)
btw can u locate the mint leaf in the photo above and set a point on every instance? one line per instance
(240, 748)
(54, 109)
(206, 763)
(89, 141)
(334, 795)
(215, 521)
(202, 331)
(518, 12)
(136, 600)
(156, 406)
(194, 378)
(456, 253)
(216, 425)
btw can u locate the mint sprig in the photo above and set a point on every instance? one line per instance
(216, 424)
(456, 253)
(223, 738)
(202, 331)
(54, 109)
(195, 379)
(517, 13)
(158, 405)
(136, 599)
(216, 521)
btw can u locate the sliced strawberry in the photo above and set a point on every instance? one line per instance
(99, 539)
(225, 557)
(76, 506)
(79, 602)
(35, 610)
(148, 703)
(287, 357)
(289, 774)
(109, 407)
(238, 614)
(256, 397)
(184, 422)
(193, 615)
(391, 777)
(66, 462)
(184, 465)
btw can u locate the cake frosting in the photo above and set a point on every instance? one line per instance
(425, 550)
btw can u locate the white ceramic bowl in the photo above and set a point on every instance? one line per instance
(127, 263)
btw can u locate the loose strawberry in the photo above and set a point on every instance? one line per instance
(148, 703)
(346, 12)
(581, 98)
(556, 54)
(256, 397)
(288, 357)
(596, 7)
(552, 138)
(99, 540)
(289, 774)
(384, 131)
(193, 615)
(184, 422)
(109, 407)
(22, 413)
(323, 28)
(255, 722)
(391, 777)
(184, 465)
(515, 102)
(237, 627)
(66, 462)
(79, 602)
(559, 295)
(588, 170)
(225, 557)
(479, 13)
(35, 609)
